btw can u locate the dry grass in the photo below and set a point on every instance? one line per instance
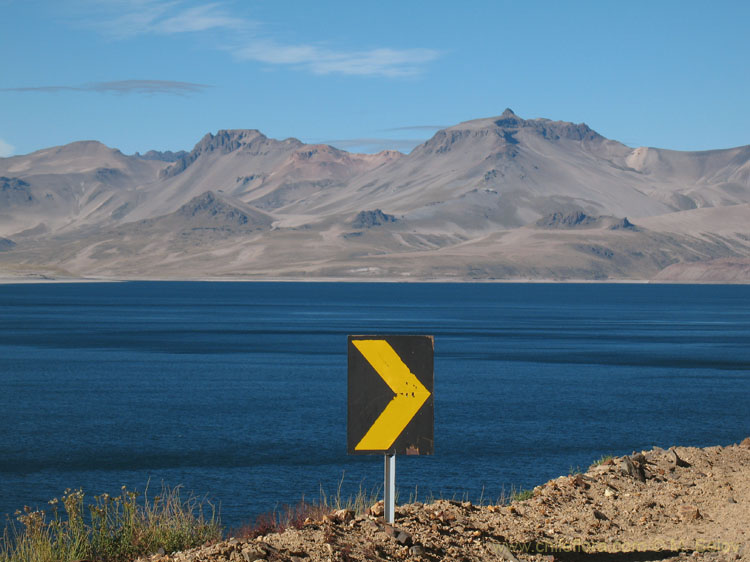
(124, 527)
(293, 517)
(115, 528)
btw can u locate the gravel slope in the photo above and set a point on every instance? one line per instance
(682, 504)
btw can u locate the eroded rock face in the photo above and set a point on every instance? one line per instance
(579, 219)
(645, 504)
(210, 207)
(623, 224)
(567, 220)
(15, 191)
(369, 219)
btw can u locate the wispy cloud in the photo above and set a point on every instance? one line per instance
(200, 18)
(321, 60)
(374, 144)
(246, 40)
(418, 128)
(121, 87)
(127, 18)
(6, 149)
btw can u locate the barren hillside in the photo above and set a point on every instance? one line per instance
(681, 504)
(502, 198)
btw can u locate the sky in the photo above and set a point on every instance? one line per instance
(366, 76)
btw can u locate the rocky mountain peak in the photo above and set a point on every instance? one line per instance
(551, 130)
(505, 133)
(223, 142)
(229, 140)
(509, 119)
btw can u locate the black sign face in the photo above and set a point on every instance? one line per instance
(390, 408)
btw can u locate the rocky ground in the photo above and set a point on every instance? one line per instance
(679, 504)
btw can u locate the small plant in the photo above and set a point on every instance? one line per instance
(573, 471)
(117, 528)
(359, 503)
(521, 495)
(602, 460)
(277, 521)
(294, 517)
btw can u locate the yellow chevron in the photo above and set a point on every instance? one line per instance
(410, 395)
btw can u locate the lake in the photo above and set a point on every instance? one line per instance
(238, 390)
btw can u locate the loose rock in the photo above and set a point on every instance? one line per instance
(377, 509)
(631, 469)
(690, 513)
(416, 550)
(403, 538)
(676, 460)
(600, 516)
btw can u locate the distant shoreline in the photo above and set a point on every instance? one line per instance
(45, 281)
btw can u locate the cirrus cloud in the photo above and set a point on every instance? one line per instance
(418, 128)
(374, 144)
(123, 19)
(121, 87)
(246, 40)
(320, 60)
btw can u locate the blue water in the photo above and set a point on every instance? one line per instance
(238, 390)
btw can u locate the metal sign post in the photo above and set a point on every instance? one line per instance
(389, 495)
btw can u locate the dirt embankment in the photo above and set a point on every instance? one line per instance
(682, 504)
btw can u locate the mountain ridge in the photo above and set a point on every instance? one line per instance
(469, 203)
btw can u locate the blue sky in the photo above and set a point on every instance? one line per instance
(159, 74)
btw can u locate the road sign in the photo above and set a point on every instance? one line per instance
(390, 407)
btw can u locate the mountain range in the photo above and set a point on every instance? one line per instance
(501, 198)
